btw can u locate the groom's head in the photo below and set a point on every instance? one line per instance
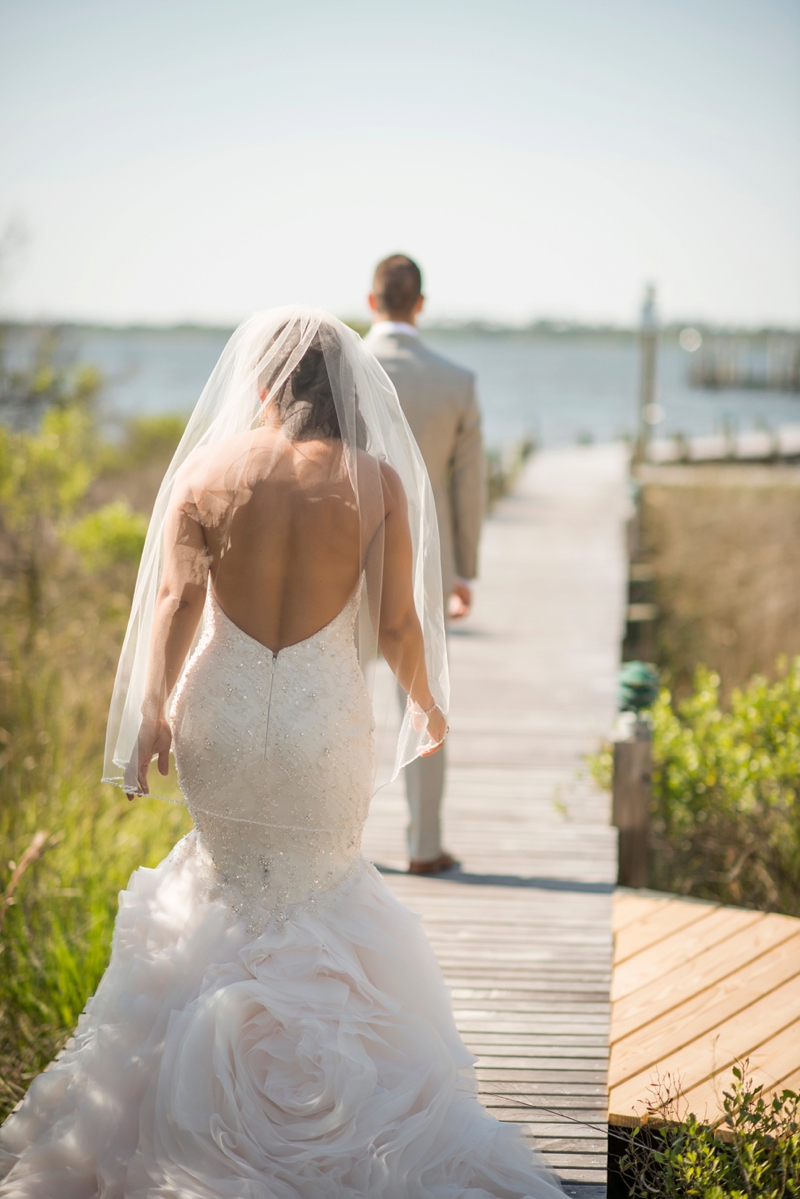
(397, 289)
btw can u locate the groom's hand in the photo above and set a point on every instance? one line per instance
(460, 601)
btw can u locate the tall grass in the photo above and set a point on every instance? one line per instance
(56, 933)
(724, 542)
(67, 572)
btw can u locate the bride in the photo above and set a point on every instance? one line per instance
(273, 1023)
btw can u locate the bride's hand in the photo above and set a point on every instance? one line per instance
(155, 739)
(437, 731)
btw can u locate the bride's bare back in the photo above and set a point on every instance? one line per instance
(280, 523)
(285, 538)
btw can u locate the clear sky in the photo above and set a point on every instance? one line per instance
(195, 159)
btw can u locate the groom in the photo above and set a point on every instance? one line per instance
(438, 399)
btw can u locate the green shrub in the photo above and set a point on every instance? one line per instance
(54, 693)
(753, 1152)
(39, 385)
(152, 439)
(725, 808)
(111, 534)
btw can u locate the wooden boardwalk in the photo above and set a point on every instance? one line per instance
(696, 987)
(523, 931)
(780, 445)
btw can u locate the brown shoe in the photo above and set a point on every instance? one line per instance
(445, 861)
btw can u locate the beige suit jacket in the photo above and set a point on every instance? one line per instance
(438, 399)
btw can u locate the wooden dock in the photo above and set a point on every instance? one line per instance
(523, 930)
(781, 445)
(698, 987)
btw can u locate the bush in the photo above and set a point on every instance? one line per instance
(39, 386)
(111, 534)
(753, 1151)
(725, 807)
(151, 438)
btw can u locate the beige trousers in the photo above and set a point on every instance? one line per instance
(424, 778)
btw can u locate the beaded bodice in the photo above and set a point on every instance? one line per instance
(275, 761)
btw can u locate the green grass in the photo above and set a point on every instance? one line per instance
(56, 934)
(68, 569)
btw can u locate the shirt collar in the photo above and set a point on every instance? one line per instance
(382, 328)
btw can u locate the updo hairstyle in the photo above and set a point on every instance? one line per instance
(305, 401)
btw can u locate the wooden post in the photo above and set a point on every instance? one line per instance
(648, 346)
(631, 798)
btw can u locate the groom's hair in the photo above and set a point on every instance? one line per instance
(397, 286)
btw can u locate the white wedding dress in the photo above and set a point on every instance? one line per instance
(273, 1023)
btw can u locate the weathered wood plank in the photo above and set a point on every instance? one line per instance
(522, 931)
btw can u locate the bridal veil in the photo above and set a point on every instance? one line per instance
(258, 366)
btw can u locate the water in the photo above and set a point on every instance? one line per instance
(564, 389)
(561, 388)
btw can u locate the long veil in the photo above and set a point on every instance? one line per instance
(262, 356)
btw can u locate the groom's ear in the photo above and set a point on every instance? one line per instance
(373, 302)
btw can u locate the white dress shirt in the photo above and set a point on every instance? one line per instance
(380, 328)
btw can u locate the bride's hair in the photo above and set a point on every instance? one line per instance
(306, 404)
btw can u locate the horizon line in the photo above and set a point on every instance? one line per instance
(479, 325)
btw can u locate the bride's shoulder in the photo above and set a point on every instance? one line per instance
(205, 461)
(376, 467)
(394, 493)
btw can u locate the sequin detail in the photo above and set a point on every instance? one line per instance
(275, 760)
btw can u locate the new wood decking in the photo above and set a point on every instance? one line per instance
(698, 986)
(523, 930)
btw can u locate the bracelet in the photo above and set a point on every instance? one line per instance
(428, 711)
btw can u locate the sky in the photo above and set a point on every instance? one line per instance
(191, 160)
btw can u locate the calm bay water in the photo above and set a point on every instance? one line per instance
(561, 388)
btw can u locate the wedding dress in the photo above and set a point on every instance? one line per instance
(273, 1023)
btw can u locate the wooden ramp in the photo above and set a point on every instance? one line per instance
(698, 986)
(523, 931)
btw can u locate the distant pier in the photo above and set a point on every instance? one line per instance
(758, 445)
(764, 362)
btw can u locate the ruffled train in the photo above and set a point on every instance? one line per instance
(317, 1060)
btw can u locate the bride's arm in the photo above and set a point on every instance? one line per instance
(178, 609)
(400, 634)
